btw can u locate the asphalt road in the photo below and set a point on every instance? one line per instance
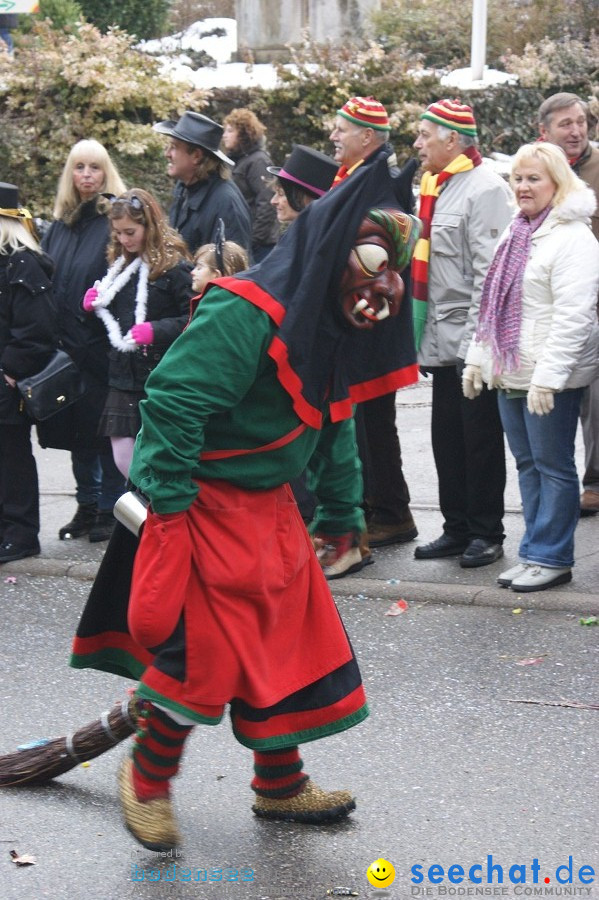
(446, 770)
(452, 766)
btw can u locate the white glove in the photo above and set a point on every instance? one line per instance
(539, 400)
(472, 382)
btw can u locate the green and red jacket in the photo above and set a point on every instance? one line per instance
(224, 415)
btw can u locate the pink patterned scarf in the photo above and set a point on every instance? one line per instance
(501, 299)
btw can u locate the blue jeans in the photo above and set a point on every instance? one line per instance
(543, 447)
(6, 36)
(98, 479)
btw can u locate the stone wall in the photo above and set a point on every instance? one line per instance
(265, 27)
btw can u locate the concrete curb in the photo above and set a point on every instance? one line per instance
(371, 588)
(466, 595)
(47, 567)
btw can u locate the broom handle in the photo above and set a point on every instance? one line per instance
(38, 765)
(117, 724)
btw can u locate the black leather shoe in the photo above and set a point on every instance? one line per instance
(480, 552)
(9, 551)
(81, 522)
(443, 546)
(103, 527)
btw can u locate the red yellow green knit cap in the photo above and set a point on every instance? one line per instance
(365, 111)
(452, 114)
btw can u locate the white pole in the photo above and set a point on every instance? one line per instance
(478, 50)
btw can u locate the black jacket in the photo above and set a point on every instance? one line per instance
(167, 311)
(253, 181)
(27, 324)
(78, 248)
(196, 209)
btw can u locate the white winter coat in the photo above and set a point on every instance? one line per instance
(559, 333)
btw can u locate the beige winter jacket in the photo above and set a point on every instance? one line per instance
(470, 214)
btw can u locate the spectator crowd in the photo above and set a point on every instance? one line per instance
(240, 358)
(119, 281)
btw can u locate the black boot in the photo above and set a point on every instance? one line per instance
(102, 527)
(81, 522)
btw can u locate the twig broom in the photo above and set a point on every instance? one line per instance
(39, 764)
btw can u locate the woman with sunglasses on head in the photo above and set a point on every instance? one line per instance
(76, 242)
(143, 303)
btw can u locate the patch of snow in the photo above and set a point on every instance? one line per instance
(229, 75)
(462, 78)
(500, 163)
(198, 37)
(170, 53)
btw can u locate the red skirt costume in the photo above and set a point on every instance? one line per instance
(239, 613)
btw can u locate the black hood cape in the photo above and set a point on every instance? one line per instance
(322, 361)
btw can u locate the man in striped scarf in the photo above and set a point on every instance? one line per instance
(464, 208)
(360, 130)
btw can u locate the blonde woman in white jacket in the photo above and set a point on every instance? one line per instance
(537, 342)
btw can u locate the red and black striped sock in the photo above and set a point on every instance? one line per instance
(157, 752)
(278, 773)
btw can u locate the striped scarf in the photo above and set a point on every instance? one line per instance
(430, 188)
(343, 172)
(501, 299)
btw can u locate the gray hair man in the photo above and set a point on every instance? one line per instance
(564, 120)
(464, 207)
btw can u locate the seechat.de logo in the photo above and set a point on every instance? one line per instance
(494, 873)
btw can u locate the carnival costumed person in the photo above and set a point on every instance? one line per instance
(228, 603)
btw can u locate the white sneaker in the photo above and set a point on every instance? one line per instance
(506, 578)
(539, 578)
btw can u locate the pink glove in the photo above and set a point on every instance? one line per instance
(91, 294)
(142, 333)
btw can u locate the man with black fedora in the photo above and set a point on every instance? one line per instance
(204, 191)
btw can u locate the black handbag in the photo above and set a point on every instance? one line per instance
(57, 386)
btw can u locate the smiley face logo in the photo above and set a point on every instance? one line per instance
(380, 873)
